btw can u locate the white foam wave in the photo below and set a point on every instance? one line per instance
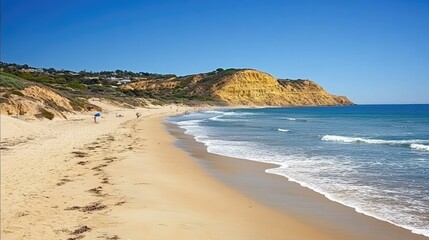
(344, 139)
(283, 130)
(220, 118)
(237, 113)
(295, 119)
(214, 111)
(189, 122)
(421, 147)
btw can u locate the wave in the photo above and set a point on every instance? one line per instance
(294, 119)
(283, 130)
(220, 118)
(344, 139)
(214, 111)
(228, 113)
(421, 147)
(237, 113)
(189, 122)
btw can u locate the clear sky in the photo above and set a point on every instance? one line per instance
(373, 51)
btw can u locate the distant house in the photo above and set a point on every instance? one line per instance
(112, 79)
(32, 70)
(124, 81)
(91, 78)
(118, 81)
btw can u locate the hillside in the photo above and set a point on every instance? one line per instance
(242, 87)
(49, 93)
(19, 97)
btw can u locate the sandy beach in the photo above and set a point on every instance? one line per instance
(125, 178)
(54, 183)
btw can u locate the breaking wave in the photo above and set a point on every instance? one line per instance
(344, 139)
(421, 147)
(283, 130)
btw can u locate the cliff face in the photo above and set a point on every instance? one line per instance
(250, 87)
(245, 87)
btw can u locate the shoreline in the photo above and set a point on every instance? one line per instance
(170, 196)
(278, 192)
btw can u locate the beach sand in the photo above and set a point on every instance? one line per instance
(124, 178)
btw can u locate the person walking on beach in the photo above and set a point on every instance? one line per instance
(138, 114)
(95, 117)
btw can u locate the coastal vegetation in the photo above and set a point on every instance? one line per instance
(10, 80)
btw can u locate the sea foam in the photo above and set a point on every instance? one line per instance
(345, 139)
(283, 130)
(420, 147)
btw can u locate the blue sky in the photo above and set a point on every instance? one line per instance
(372, 51)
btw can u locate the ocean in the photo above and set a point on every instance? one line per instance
(373, 158)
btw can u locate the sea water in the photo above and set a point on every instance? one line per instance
(373, 158)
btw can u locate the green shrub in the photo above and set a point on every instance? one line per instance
(60, 80)
(9, 80)
(76, 85)
(158, 102)
(97, 88)
(78, 104)
(229, 71)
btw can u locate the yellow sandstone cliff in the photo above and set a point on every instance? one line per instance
(250, 87)
(245, 87)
